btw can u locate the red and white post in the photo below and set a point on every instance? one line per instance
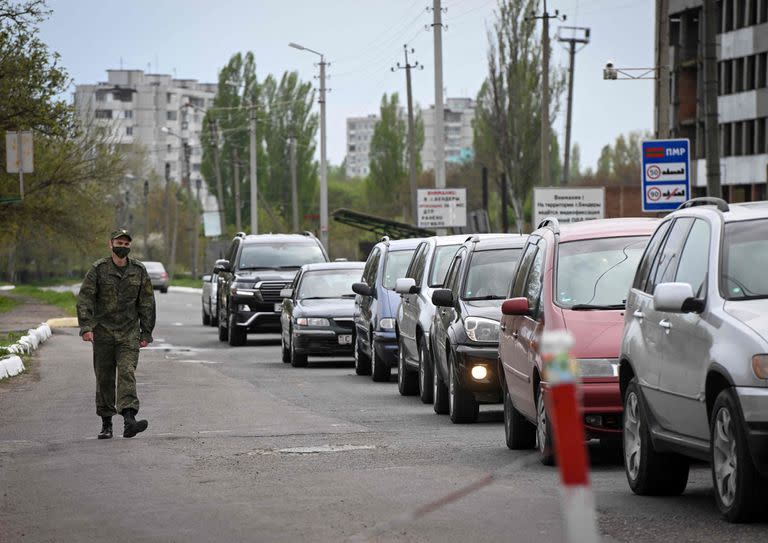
(562, 402)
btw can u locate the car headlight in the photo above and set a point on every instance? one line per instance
(482, 330)
(241, 289)
(598, 367)
(312, 321)
(760, 366)
(387, 324)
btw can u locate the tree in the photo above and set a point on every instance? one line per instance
(507, 126)
(386, 182)
(605, 162)
(575, 173)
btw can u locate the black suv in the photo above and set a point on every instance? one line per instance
(256, 269)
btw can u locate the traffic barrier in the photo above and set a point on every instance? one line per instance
(562, 403)
(13, 365)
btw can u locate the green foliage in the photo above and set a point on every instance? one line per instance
(7, 304)
(387, 181)
(63, 300)
(619, 163)
(575, 166)
(186, 282)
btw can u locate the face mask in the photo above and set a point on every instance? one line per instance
(121, 252)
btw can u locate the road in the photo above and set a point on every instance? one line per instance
(242, 447)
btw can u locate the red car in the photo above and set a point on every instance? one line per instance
(576, 278)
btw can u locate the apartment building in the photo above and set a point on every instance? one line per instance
(359, 135)
(458, 115)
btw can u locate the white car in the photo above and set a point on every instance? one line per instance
(694, 356)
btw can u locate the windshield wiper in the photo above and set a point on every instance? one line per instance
(291, 267)
(318, 298)
(348, 295)
(488, 297)
(586, 307)
(256, 268)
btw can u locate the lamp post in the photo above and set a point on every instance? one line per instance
(146, 219)
(323, 164)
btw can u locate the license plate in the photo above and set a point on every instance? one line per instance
(345, 339)
(278, 308)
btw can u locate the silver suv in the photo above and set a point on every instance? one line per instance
(694, 356)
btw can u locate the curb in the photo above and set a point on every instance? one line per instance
(13, 365)
(62, 322)
(188, 290)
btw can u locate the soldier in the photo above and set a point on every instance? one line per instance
(116, 312)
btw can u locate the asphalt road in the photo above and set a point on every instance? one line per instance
(242, 447)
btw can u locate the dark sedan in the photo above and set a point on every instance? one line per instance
(317, 316)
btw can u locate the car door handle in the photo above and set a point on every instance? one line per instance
(665, 324)
(503, 327)
(515, 334)
(638, 314)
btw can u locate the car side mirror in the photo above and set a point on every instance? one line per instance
(222, 266)
(442, 297)
(676, 298)
(286, 293)
(406, 285)
(207, 278)
(515, 306)
(362, 289)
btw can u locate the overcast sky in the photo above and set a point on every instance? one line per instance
(361, 39)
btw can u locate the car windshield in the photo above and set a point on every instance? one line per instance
(597, 273)
(744, 260)
(280, 255)
(328, 284)
(440, 262)
(394, 269)
(490, 274)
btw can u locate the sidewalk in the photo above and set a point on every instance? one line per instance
(27, 315)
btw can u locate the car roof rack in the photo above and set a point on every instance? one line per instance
(721, 204)
(474, 238)
(240, 235)
(384, 239)
(552, 223)
(307, 233)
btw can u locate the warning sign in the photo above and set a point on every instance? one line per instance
(442, 208)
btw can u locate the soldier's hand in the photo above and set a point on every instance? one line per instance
(88, 336)
(143, 343)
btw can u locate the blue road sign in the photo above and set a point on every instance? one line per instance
(666, 174)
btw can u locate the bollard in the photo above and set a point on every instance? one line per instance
(562, 402)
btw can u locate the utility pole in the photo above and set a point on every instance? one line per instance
(175, 234)
(294, 187)
(411, 132)
(254, 186)
(191, 203)
(236, 180)
(219, 182)
(196, 230)
(571, 41)
(167, 212)
(710, 99)
(146, 219)
(323, 161)
(545, 128)
(661, 83)
(437, 31)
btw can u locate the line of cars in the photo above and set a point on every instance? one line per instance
(669, 318)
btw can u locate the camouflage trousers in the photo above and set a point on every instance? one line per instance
(115, 357)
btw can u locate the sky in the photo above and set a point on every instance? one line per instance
(362, 40)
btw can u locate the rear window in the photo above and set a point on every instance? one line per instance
(396, 266)
(279, 255)
(154, 266)
(323, 284)
(744, 260)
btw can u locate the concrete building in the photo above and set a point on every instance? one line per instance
(742, 97)
(458, 114)
(137, 107)
(359, 134)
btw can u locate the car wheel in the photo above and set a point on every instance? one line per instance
(223, 333)
(648, 472)
(297, 360)
(362, 362)
(740, 492)
(164, 290)
(380, 371)
(543, 431)
(518, 431)
(462, 406)
(285, 349)
(407, 381)
(237, 334)
(439, 393)
(425, 373)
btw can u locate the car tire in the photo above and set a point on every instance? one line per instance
(462, 406)
(439, 393)
(519, 433)
(223, 332)
(164, 290)
(426, 388)
(236, 334)
(407, 381)
(649, 473)
(380, 372)
(297, 360)
(544, 441)
(362, 362)
(740, 491)
(285, 351)
(206, 318)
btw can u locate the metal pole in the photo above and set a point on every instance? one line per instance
(20, 151)
(662, 64)
(571, 70)
(167, 212)
(545, 178)
(192, 214)
(323, 164)
(146, 219)
(294, 187)
(710, 98)
(254, 185)
(238, 203)
(219, 182)
(437, 31)
(196, 232)
(411, 141)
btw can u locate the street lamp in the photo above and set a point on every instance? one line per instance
(323, 163)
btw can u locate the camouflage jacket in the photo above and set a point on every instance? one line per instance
(119, 303)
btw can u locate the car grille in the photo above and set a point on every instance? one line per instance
(346, 324)
(270, 290)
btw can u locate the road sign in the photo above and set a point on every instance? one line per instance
(211, 224)
(568, 205)
(666, 174)
(442, 208)
(19, 157)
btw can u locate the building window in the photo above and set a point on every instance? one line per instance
(101, 96)
(169, 148)
(103, 114)
(727, 15)
(725, 136)
(195, 167)
(738, 138)
(762, 70)
(128, 114)
(749, 137)
(763, 11)
(171, 115)
(750, 84)
(168, 97)
(740, 5)
(129, 131)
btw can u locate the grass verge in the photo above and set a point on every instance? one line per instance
(6, 304)
(63, 300)
(186, 282)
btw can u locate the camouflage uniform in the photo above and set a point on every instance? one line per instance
(118, 306)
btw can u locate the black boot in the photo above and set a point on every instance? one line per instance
(133, 426)
(106, 428)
